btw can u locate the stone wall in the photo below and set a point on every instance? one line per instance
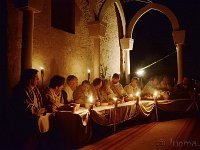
(59, 52)
(14, 39)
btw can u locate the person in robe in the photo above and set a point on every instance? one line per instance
(53, 94)
(82, 92)
(117, 87)
(70, 86)
(132, 89)
(27, 107)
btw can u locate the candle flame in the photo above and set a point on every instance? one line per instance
(137, 93)
(155, 94)
(115, 99)
(90, 99)
(88, 70)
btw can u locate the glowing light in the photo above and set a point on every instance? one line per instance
(137, 93)
(88, 74)
(158, 60)
(115, 99)
(42, 71)
(90, 99)
(140, 72)
(155, 94)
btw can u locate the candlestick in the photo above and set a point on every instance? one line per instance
(115, 113)
(91, 102)
(42, 76)
(155, 101)
(91, 99)
(42, 72)
(137, 94)
(88, 74)
(115, 100)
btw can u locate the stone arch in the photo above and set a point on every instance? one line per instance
(153, 6)
(121, 12)
(102, 12)
(178, 36)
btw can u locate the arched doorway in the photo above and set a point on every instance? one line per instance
(178, 35)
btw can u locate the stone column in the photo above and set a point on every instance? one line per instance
(27, 39)
(28, 7)
(126, 45)
(179, 62)
(97, 30)
(179, 38)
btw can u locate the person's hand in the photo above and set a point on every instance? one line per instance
(54, 109)
(42, 111)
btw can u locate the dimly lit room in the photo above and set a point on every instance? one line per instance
(99, 74)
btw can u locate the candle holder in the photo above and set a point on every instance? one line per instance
(42, 72)
(88, 74)
(91, 106)
(138, 100)
(115, 101)
(42, 76)
(155, 95)
(115, 113)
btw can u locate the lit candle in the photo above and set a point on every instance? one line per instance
(155, 94)
(42, 71)
(88, 74)
(90, 99)
(42, 76)
(137, 94)
(115, 99)
(115, 113)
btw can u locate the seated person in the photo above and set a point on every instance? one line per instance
(165, 87)
(133, 88)
(95, 90)
(183, 89)
(151, 87)
(116, 86)
(53, 96)
(106, 92)
(82, 92)
(165, 84)
(27, 106)
(70, 86)
(197, 93)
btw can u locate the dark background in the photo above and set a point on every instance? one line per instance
(153, 38)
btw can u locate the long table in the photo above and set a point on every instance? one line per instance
(77, 125)
(105, 115)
